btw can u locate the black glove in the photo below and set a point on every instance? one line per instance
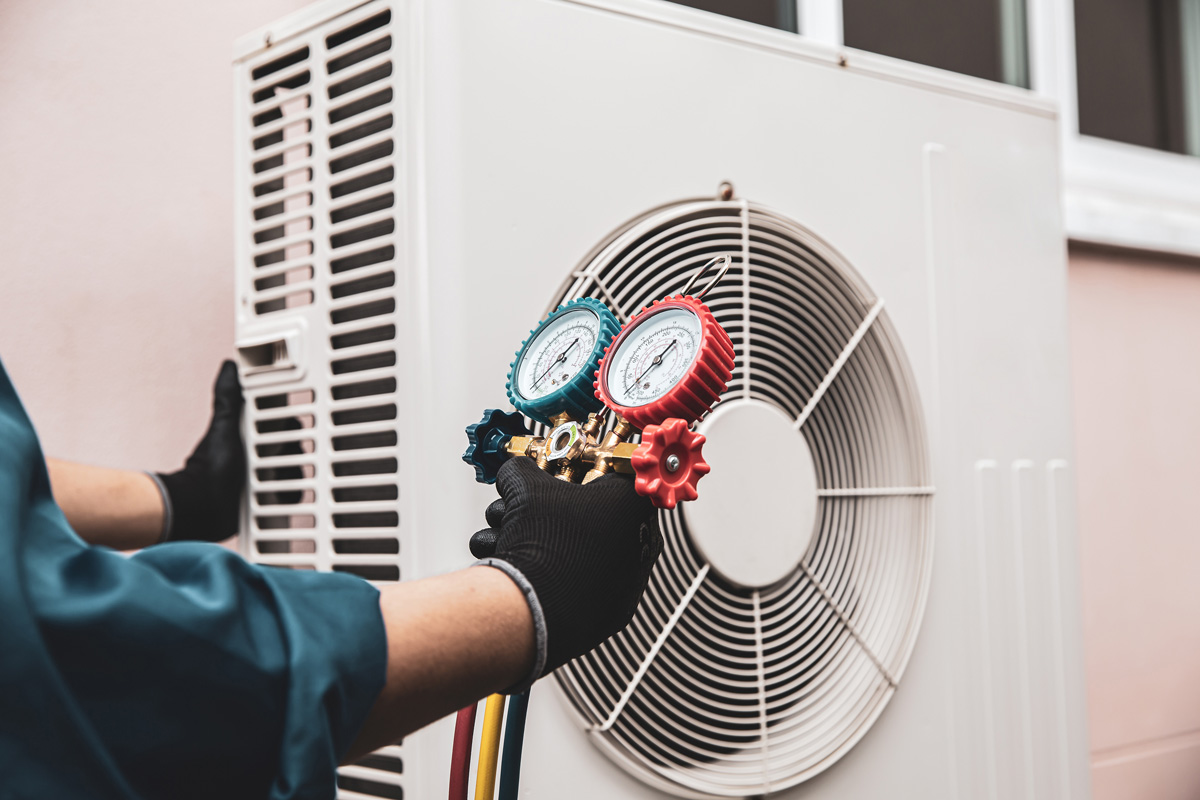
(581, 554)
(202, 499)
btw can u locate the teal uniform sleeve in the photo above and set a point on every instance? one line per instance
(180, 672)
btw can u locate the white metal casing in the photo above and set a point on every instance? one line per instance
(524, 132)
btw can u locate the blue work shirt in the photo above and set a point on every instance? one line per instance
(180, 672)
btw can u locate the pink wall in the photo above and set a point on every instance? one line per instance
(1135, 346)
(116, 306)
(116, 175)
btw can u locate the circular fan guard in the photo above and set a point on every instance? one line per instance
(719, 690)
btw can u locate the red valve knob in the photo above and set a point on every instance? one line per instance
(668, 463)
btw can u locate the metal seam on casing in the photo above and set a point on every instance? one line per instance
(1018, 536)
(981, 557)
(1052, 538)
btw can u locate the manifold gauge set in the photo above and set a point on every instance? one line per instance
(657, 375)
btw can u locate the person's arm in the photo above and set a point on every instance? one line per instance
(564, 567)
(127, 510)
(451, 640)
(115, 508)
(201, 675)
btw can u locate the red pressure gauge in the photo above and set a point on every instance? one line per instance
(673, 359)
(665, 369)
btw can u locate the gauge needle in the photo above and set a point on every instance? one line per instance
(561, 357)
(656, 361)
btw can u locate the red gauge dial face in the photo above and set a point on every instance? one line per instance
(673, 360)
(653, 356)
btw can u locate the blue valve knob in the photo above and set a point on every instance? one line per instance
(487, 438)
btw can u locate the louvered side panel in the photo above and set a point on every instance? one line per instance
(322, 287)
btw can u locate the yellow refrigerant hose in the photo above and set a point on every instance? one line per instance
(489, 748)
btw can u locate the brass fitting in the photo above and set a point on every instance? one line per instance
(567, 472)
(572, 446)
(592, 427)
(524, 446)
(603, 456)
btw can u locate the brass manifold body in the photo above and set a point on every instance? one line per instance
(577, 451)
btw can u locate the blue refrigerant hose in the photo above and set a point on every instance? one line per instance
(514, 739)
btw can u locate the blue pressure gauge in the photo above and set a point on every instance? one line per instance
(555, 368)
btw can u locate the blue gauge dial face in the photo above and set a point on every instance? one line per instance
(653, 357)
(556, 354)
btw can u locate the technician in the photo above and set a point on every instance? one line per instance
(183, 671)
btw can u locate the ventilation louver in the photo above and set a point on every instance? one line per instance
(324, 488)
(721, 689)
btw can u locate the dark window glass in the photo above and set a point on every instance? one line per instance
(775, 13)
(984, 38)
(1129, 57)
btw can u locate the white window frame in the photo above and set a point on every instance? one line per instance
(1114, 193)
(820, 20)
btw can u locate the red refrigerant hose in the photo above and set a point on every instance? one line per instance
(460, 761)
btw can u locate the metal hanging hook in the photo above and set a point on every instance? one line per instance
(708, 287)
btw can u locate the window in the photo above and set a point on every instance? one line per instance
(1132, 82)
(774, 13)
(984, 38)
(1124, 73)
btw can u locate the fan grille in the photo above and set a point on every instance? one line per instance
(720, 690)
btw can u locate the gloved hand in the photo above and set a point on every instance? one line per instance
(581, 554)
(201, 501)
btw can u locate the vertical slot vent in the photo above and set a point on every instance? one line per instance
(318, 228)
(282, 149)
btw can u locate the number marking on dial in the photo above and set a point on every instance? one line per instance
(654, 357)
(557, 353)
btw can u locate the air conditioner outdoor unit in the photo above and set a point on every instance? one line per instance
(876, 593)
